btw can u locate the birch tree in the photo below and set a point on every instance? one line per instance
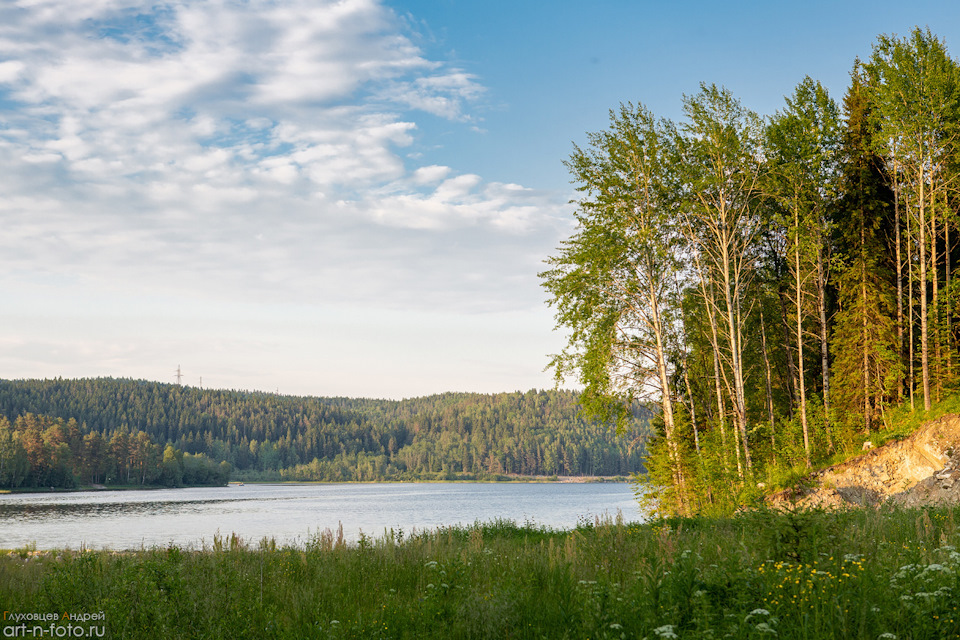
(802, 142)
(721, 170)
(611, 282)
(915, 95)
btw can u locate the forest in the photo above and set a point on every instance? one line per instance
(775, 286)
(64, 433)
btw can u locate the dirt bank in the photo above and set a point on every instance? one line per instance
(921, 469)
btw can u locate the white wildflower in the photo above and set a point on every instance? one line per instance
(755, 613)
(763, 627)
(666, 631)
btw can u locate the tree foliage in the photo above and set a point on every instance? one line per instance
(138, 432)
(802, 264)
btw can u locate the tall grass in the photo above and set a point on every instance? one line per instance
(813, 574)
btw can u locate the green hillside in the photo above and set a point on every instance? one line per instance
(104, 430)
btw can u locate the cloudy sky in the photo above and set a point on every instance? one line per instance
(345, 197)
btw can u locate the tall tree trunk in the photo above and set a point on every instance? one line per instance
(666, 404)
(910, 308)
(732, 300)
(791, 382)
(924, 348)
(709, 301)
(770, 415)
(948, 315)
(686, 374)
(722, 415)
(800, 373)
(935, 283)
(822, 303)
(896, 215)
(867, 417)
(692, 408)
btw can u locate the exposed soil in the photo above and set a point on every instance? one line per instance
(921, 469)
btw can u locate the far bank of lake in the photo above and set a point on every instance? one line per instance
(291, 513)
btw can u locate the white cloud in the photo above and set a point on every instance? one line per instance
(205, 146)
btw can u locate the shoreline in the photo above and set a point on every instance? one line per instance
(239, 483)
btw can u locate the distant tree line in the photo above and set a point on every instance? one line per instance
(60, 432)
(40, 451)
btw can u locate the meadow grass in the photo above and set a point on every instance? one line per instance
(763, 574)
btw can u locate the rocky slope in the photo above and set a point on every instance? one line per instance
(921, 469)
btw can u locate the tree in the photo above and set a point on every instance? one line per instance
(611, 282)
(14, 466)
(915, 89)
(802, 143)
(867, 365)
(720, 162)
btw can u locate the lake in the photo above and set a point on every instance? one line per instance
(292, 513)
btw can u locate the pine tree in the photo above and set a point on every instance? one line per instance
(867, 367)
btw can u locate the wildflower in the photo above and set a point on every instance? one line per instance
(887, 636)
(936, 567)
(763, 627)
(666, 631)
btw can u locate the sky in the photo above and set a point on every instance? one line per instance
(342, 198)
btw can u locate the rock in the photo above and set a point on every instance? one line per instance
(920, 469)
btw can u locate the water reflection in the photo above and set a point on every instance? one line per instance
(291, 513)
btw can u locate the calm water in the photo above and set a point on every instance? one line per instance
(291, 513)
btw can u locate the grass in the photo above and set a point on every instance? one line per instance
(903, 421)
(899, 422)
(810, 574)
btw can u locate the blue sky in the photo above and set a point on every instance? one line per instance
(340, 198)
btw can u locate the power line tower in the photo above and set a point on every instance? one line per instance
(179, 375)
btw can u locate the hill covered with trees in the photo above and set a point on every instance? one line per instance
(63, 432)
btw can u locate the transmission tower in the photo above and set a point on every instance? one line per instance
(179, 375)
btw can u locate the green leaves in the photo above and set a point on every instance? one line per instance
(611, 282)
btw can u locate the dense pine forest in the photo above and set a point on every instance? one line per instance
(776, 285)
(60, 433)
